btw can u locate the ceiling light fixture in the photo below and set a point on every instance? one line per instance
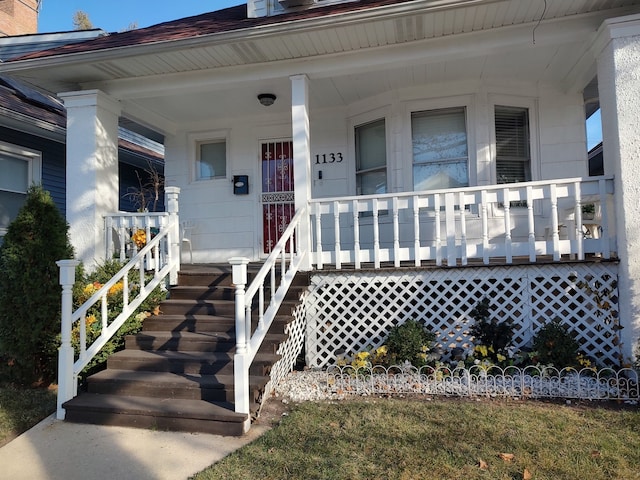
(266, 99)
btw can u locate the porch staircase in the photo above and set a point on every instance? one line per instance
(177, 374)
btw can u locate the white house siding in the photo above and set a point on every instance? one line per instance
(229, 225)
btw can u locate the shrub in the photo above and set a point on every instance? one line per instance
(491, 337)
(409, 342)
(29, 289)
(555, 344)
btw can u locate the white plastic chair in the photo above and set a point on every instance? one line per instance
(186, 228)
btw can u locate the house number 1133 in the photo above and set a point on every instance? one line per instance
(329, 158)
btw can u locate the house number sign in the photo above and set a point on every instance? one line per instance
(335, 157)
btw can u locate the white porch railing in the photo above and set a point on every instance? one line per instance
(451, 227)
(158, 259)
(287, 256)
(120, 227)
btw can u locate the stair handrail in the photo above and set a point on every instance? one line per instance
(160, 255)
(248, 343)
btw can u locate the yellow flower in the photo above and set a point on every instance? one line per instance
(139, 238)
(117, 288)
(91, 288)
(382, 350)
(482, 350)
(500, 357)
(362, 355)
(90, 320)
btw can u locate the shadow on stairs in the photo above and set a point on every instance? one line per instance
(177, 374)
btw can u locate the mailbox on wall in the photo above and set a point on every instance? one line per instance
(241, 184)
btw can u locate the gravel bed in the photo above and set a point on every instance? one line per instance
(308, 385)
(314, 385)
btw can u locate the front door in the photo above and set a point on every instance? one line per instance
(277, 200)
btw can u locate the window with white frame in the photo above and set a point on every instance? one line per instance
(440, 151)
(211, 159)
(371, 158)
(20, 168)
(513, 146)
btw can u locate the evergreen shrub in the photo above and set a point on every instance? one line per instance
(30, 292)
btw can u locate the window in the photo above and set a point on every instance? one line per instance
(211, 160)
(513, 154)
(371, 158)
(20, 168)
(440, 152)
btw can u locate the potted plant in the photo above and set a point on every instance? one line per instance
(588, 211)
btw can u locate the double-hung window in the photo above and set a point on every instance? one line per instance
(20, 168)
(371, 158)
(513, 151)
(440, 151)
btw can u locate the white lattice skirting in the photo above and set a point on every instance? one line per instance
(352, 311)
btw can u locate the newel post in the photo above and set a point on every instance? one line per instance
(171, 202)
(241, 361)
(66, 378)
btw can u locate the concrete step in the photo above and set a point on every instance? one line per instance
(203, 363)
(218, 388)
(173, 414)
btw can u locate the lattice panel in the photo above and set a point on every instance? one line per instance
(290, 348)
(353, 311)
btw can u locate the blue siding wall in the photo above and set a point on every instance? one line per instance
(53, 161)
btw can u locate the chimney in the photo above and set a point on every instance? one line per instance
(18, 17)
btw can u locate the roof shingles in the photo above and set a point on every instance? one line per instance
(221, 21)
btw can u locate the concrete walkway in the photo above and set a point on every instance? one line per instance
(56, 450)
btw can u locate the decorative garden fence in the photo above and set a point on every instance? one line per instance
(528, 382)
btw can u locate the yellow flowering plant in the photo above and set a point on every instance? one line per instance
(139, 237)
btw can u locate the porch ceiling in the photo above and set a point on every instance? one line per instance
(349, 57)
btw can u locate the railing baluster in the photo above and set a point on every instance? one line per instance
(436, 205)
(356, 234)
(485, 227)
(396, 234)
(450, 228)
(507, 225)
(376, 234)
(531, 225)
(319, 262)
(416, 232)
(336, 228)
(463, 228)
(554, 221)
(579, 233)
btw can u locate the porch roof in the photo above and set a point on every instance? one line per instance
(351, 52)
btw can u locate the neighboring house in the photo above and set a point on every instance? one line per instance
(33, 135)
(429, 133)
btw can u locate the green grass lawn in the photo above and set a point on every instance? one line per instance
(442, 439)
(21, 408)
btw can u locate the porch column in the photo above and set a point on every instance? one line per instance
(617, 49)
(92, 170)
(302, 158)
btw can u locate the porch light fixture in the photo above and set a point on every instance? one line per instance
(266, 99)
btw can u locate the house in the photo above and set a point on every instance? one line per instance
(428, 153)
(33, 125)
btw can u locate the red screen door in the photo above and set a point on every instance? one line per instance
(277, 191)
